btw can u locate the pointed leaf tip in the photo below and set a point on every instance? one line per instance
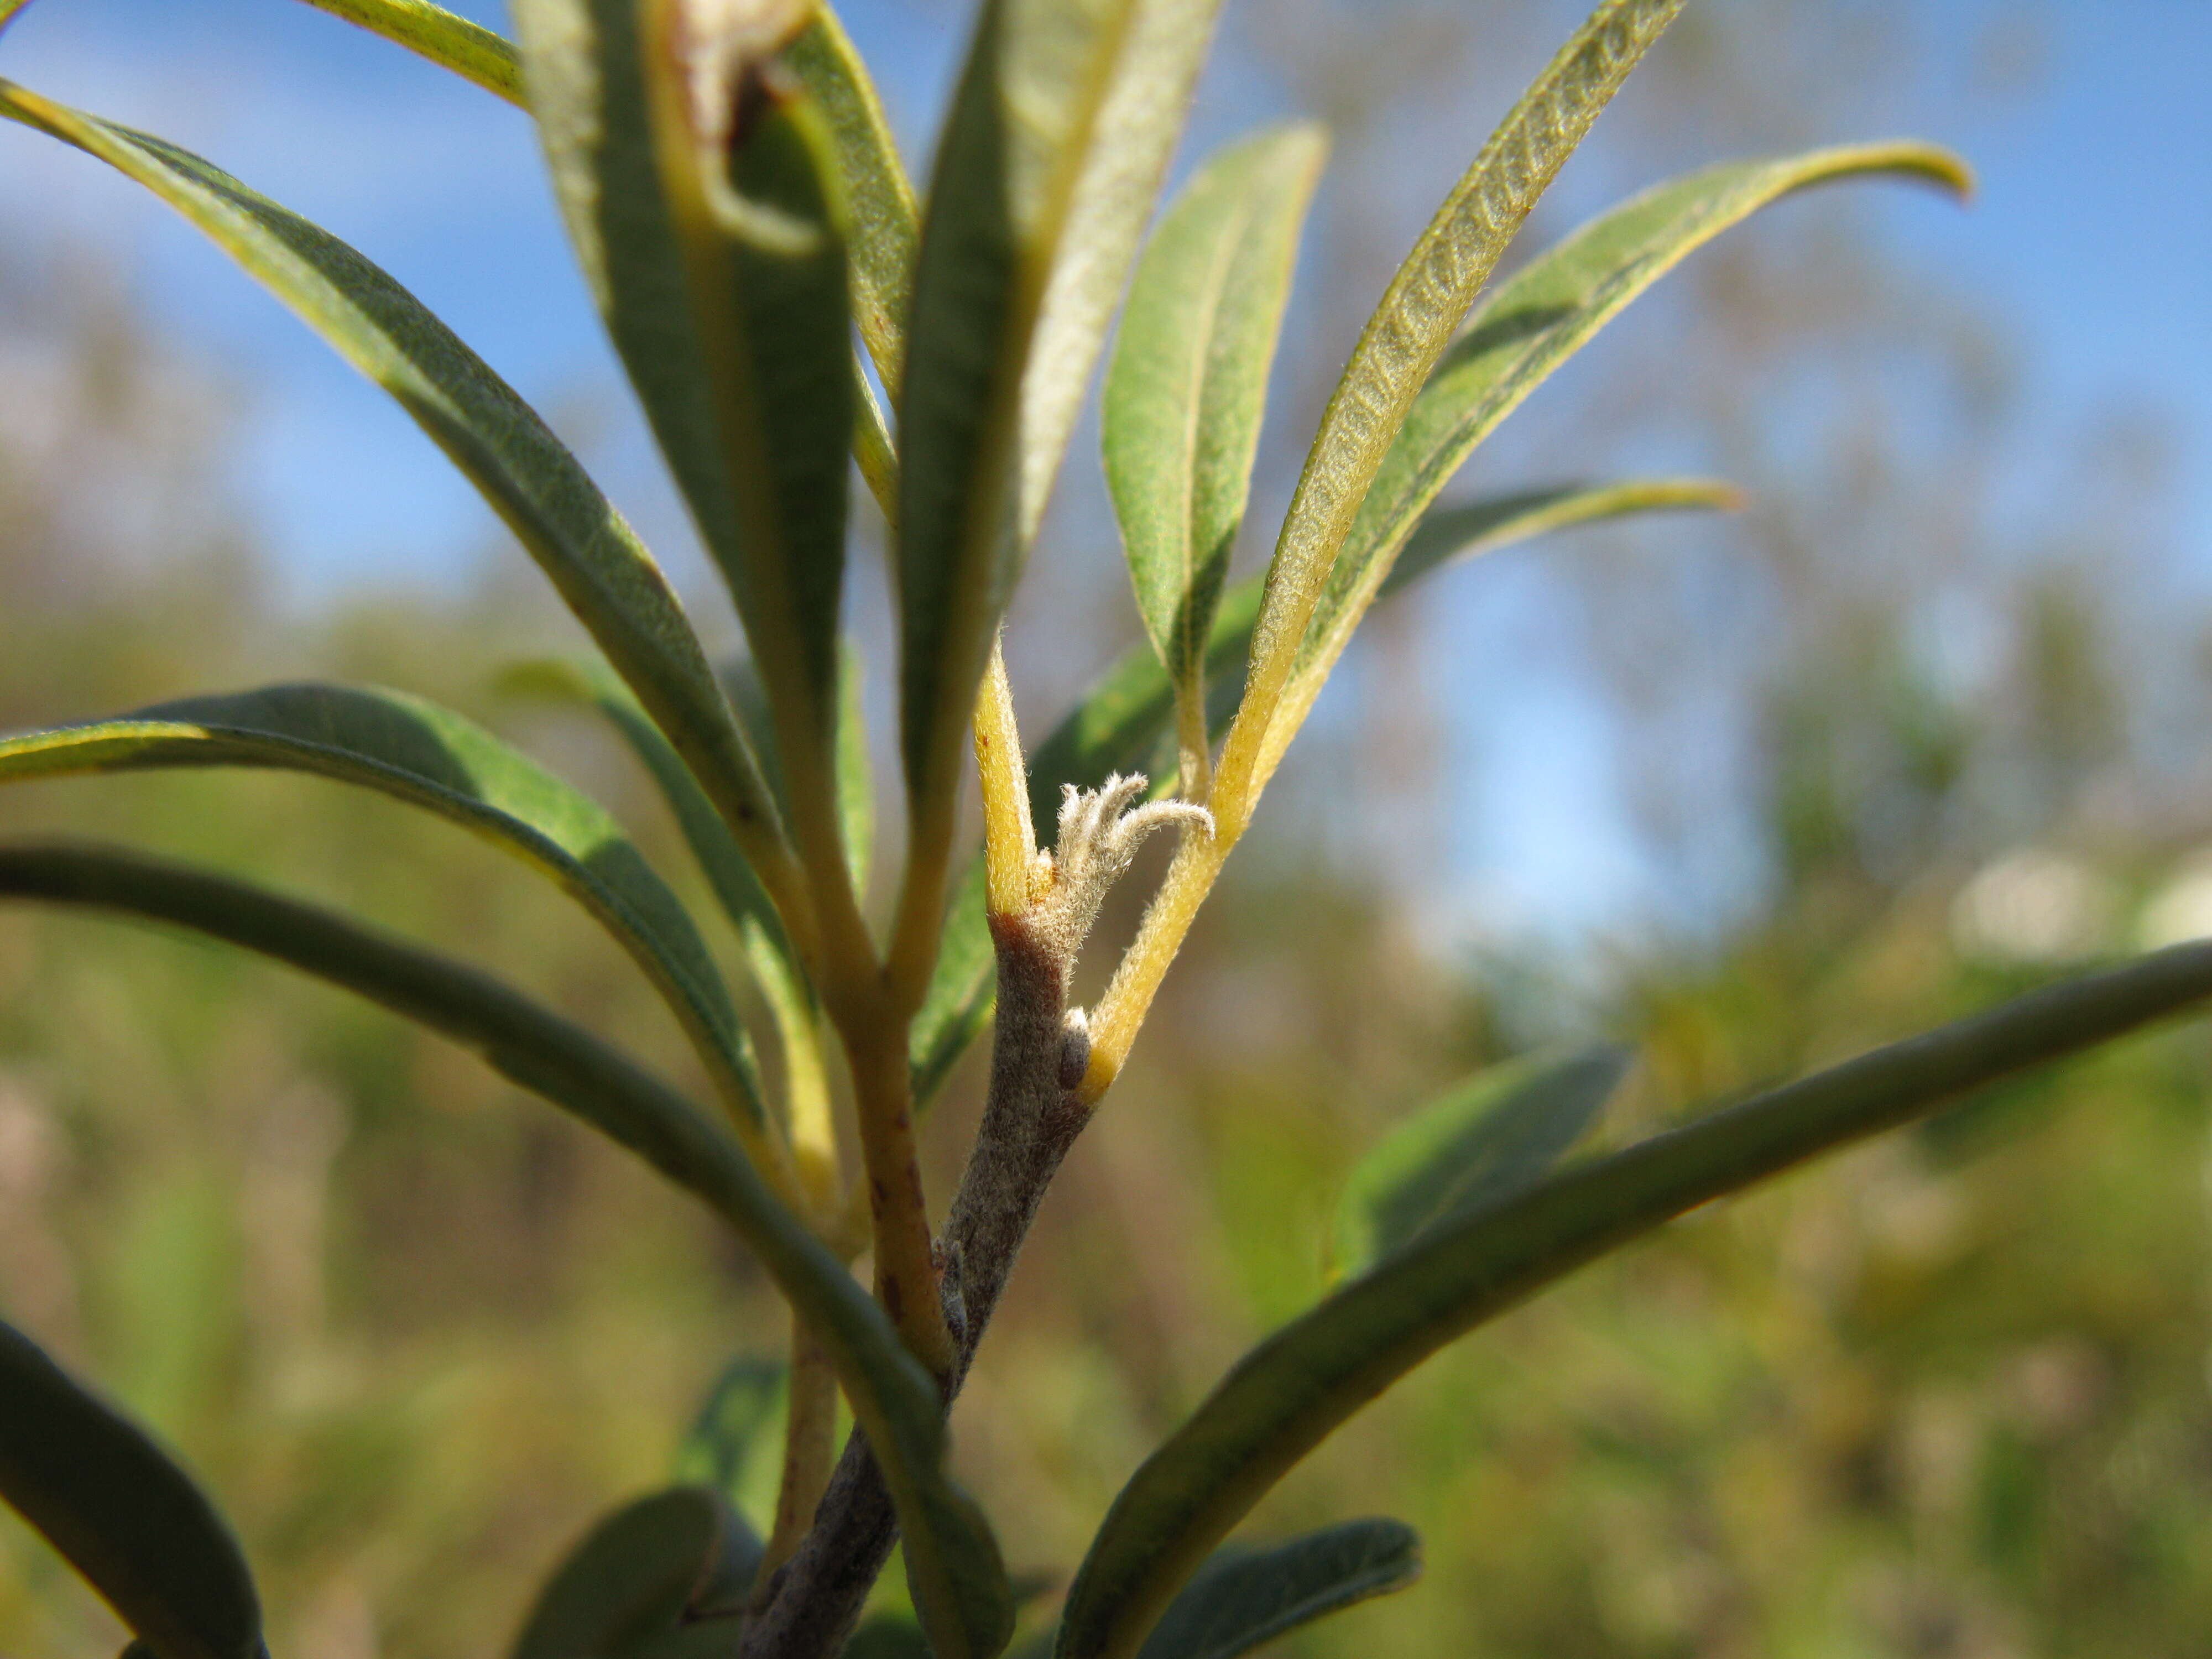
(1402, 342)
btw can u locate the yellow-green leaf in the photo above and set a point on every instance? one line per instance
(1539, 318)
(468, 49)
(1403, 339)
(885, 226)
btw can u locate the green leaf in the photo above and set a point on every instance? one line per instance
(1243, 1597)
(1188, 381)
(9, 8)
(122, 1513)
(952, 1560)
(418, 751)
(886, 228)
(1061, 124)
(1543, 316)
(1405, 337)
(581, 542)
(646, 1578)
(872, 452)
(1118, 726)
(735, 1426)
(1286, 1396)
(887, 1635)
(467, 48)
(716, 251)
(1497, 1132)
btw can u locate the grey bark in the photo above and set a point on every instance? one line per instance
(1030, 1119)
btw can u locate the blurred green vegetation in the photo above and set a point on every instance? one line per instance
(1949, 1396)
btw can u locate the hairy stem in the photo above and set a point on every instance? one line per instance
(1030, 1121)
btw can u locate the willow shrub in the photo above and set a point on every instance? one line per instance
(733, 195)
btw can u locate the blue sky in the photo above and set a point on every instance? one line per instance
(2091, 236)
(2091, 240)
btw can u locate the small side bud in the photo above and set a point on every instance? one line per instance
(1074, 1048)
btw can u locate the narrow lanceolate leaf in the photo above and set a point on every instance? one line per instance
(1189, 381)
(1243, 1597)
(1405, 336)
(1063, 121)
(467, 49)
(1497, 1132)
(884, 228)
(698, 185)
(123, 1515)
(952, 1556)
(664, 1577)
(1286, 1396)
(552, 506)
(431, 756)
(1538, 319)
